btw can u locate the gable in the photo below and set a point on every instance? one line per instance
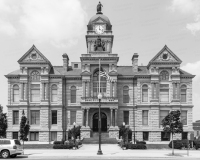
(33, 55)
(165, 56)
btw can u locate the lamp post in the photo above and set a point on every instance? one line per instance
(74, 132)
(99, 123)
(134, 125)
(123, 124)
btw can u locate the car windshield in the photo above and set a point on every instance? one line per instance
(17, 142)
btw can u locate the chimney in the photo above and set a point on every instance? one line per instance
(65, 61)
(135, 62)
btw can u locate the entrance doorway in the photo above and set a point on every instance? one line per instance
(103, 122)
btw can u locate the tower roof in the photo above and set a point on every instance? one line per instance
(99, 16)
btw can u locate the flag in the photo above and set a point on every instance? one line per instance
(104, 74)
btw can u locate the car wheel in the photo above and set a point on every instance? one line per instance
(5, 154)
(13, 156)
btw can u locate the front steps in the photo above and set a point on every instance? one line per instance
(104, 139)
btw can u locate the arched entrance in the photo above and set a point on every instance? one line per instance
(103, 122)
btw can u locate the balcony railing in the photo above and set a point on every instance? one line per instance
(95, 99)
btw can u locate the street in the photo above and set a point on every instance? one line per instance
(89, 151)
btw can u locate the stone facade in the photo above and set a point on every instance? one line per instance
(54, 97)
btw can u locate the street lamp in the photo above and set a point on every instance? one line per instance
(99, 151)
(74, 132)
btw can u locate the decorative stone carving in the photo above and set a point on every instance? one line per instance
(114, 132)
(85, 132)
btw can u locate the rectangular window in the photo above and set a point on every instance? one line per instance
(126, 96)
(165, 136)
(35, 117)
(145, 136)
(35, 92)
(144, 117)
(163, 114)
(34, 136)
(126, 117)
(164, 93)
(183, 95)
(54, 117)
(15, 117)
(15, 135)
(75, 65)
(73, 96)
(144, 95)
(184, 117)
(73, 117)
(184, 135)
(53, 136)
(54, 97)
(15, 95)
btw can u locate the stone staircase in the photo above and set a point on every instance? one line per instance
(104, 139)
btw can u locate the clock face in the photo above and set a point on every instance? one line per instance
(99, 29)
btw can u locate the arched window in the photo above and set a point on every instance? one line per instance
(125, 94)
(54, 93)
(15, 93)
(73, 94)
(96, 84)
(35, 76)
(183, 93)
(145, 93)
(164, 76)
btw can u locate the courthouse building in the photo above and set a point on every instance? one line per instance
(54, 97)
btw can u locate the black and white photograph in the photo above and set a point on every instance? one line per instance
(108, 79)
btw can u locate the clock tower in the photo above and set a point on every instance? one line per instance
(99, 38)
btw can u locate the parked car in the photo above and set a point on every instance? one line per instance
(10, 148)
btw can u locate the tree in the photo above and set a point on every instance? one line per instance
(24, 128)
(3, 123)
(172, 124)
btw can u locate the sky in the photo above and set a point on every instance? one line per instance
(139, 26)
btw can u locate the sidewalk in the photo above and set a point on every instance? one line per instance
(109, 151)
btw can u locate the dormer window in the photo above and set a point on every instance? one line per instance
(75, 65)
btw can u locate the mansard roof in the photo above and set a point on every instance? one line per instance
(121, 71)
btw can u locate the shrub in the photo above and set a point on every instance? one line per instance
(179, 144)
(58, 142)
(133, 146)
(140, 142)
(62, 146)
(197, 144)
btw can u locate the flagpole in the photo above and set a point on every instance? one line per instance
(99, 123)
(99, 76)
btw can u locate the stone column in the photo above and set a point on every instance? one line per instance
(88, 89)
(115, 89)
(87, 117)
(83, 118)
(43, 91)
(22, 91)
(111, 89)
(152, 89)
(83, 89)
(157, 90)
(174, 90)
(178, 91)
(46, 87)
(25, 91)
(115, 117)
(111, 117)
